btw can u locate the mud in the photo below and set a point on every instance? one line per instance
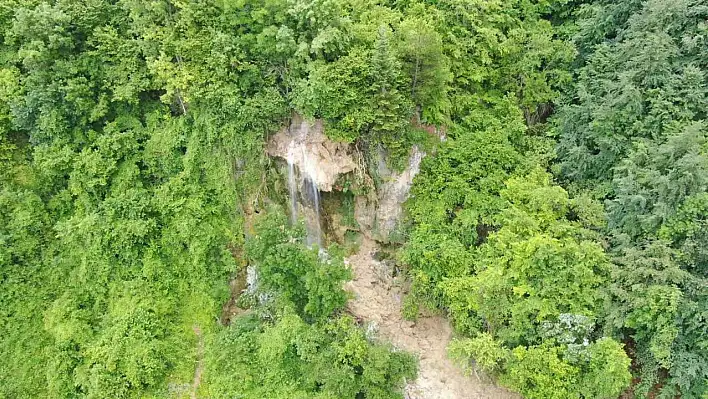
(378, 301)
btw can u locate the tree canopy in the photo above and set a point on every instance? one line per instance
(559, 219)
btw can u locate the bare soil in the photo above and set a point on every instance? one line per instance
(377, 301)
(200, 362)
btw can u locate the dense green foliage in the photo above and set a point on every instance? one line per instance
(311, 284)
(635, 131)
(289, 357)
(562, 223)
(507, 253)
(131, 133)
(515, 261)
(110, 251)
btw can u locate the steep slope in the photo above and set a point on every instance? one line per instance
(377, 301)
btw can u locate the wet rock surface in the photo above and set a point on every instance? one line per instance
(312, 156)
(304, 144)
(315, 164)
(393, 193)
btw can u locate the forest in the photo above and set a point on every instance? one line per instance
(151, 245)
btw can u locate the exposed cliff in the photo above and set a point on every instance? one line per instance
(316, 163)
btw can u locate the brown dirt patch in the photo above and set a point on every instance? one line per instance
(200, 362)
(377, 301)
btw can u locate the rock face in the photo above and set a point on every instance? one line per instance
(318, 158)
(379, 215)
(393, 193)
(318, 161)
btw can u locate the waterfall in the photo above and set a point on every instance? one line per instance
(318, 227)
(292, 183)
(314, 230)
(309, 190)
(312, 221)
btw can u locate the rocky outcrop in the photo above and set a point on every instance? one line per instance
(393, 193)
(319, 162)
(379, 215)
(303, 144)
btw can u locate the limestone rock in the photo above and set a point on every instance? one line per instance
(379, 216)
(394, 192)
(318, 158)
(365, 213)
(322, 161)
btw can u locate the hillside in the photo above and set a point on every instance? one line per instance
(429, 199)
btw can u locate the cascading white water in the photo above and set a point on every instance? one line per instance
(314, 233)
(316, 200)
(292, 183)
(310, 191)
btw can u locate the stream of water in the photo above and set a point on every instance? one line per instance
(310, 192)
(314, 231)
(292, 184)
